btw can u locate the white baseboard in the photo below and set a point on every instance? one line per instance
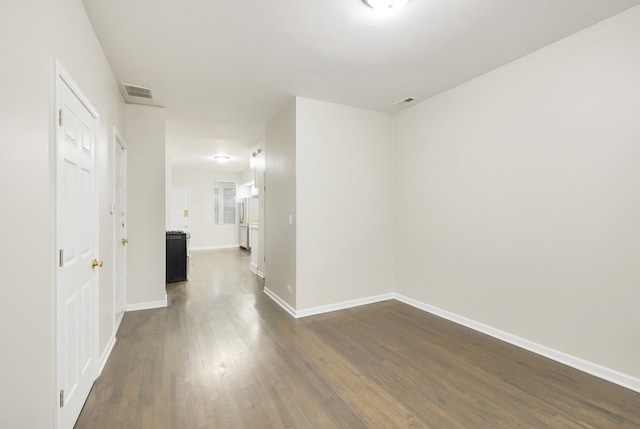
(594, 369)
(254, 270)
(298, 314)
(608, 374)
(106, 354)
(148, 305)
(289, 309)
(343, 305)
(226, 246)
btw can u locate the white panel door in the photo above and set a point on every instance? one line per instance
(179, 208)
(77, 233)
(120, 230)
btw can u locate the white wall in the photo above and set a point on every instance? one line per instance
(344, 194)
(246, 176)
(33, 34)
(168, 180)
(518, 201)
(280, 237)
(205, 234)
(146, 169)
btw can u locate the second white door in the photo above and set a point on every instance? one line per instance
(120, 230)
(179, 208)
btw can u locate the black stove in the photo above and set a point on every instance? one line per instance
(176, 242)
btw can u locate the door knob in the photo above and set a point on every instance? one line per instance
(125, 241)
(96, 263)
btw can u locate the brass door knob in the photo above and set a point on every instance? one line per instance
(96, 263)
(125, 241)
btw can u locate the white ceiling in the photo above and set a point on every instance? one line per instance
(224, 68)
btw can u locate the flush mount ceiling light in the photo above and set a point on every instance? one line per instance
(385, 5)
(222, 158)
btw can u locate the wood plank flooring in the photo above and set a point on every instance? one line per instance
(223, 355)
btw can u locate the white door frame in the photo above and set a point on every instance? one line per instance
(118, 140)
(62, 77)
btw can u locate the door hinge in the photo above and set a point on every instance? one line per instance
(61, 398)
(61, 256)
(60, 117)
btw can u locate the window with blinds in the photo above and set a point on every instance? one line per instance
(224, 203)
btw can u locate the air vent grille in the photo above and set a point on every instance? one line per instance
(405, 101)
(137, 91)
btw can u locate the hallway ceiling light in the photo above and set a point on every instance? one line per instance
(385, 5)
(222, 158)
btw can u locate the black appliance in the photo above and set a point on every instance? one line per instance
(176, 256)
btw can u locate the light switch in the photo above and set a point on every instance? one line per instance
(290, 219)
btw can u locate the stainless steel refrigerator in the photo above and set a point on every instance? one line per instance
(247, 215)
(243, 220)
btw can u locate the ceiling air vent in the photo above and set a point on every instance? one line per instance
(138, 91)
(405, 101)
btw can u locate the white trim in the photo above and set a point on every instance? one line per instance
(149, 305)
(117, 136)
(298, 314)
(75, 88)
(118, 140)
(53, 226)
(289, 309)
(594, 369)
(254, 269)
(226, 246)
(106, 354)
(343, 305)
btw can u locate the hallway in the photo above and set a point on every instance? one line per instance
(223, 355)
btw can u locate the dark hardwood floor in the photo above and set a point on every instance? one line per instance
(223, 355)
